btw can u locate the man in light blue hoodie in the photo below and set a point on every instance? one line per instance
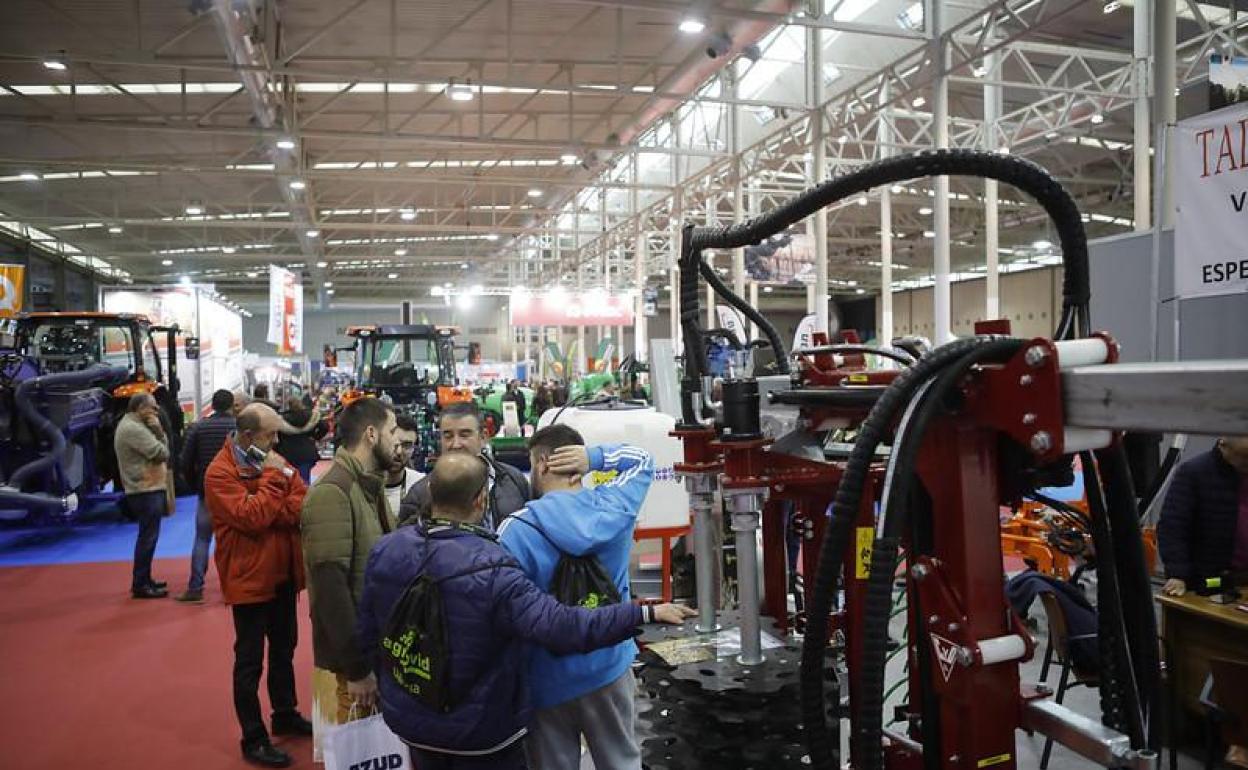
(590, 695)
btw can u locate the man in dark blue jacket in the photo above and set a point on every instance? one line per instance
(203, 441)
(491, 612)
(1203, 529)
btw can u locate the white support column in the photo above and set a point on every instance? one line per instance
(810, 298)
(1141, 125)
(579, 367)
(641, 334)
(1165, 101)
(541, 355)
(819, 164)
(511, 330)
(884, 138)
(940, 202)
(992, 245)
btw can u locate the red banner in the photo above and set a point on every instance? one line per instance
(572, 310)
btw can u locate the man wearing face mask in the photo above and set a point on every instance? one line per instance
(344, 515)
(462, 430)
(254, 498)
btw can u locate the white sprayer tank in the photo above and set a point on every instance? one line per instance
(667, 503)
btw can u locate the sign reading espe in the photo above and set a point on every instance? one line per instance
(1211, 191)
(571, 310)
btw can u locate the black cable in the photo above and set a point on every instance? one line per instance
(764, 325)
(824, 751)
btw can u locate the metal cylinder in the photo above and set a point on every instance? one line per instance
(745, 523)
(704, 559)
(741, 410)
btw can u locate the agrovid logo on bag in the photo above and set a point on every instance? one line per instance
(383, 762)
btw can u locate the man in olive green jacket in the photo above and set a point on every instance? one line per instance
(344, 515)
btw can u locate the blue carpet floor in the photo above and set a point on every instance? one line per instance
(111, 540)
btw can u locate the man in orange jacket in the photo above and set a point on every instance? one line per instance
(255, 497)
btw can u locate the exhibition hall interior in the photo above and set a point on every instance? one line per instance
(623, 384)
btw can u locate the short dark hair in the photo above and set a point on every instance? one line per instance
(138, 401)
(406, 422)
(359, 417)
(261, 391)
(462, 409)
(222, 401)
(552, 437)
(456, 481)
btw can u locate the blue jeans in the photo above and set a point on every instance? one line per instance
(147, 508)
(199, 552)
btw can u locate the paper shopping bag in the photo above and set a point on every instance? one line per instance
(364, 744)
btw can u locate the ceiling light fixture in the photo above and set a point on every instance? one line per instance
(918, 101)
(492, 237)
(767, 290)
(251, 275)
(862, 201)
(691, 25)
(535, 192)
(228, 249)
(400, 252)
(1097, 118)
(407, 215)
(28, 176)
(896, 189)
(925, 210)
(298, 184)
(286, 144)
(166, 262)
(860, 291)
(392, 276)
(842, 139)
(194, 209)
(314, 233)
(460, 92)
(463, 265)
(328, 284)
(115, 229)
(1111, 6)
(322, 264)
(979, 70)
(185, 280)
(330, 292)
(56, 65)
(1041, 245)
(569, 157)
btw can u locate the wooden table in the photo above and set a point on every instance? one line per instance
(1196, 630)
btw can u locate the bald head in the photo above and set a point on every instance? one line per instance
(258, 425)
(457, 487)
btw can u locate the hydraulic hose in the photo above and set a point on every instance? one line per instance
(824, 747)
(24, 398)
(769, 331)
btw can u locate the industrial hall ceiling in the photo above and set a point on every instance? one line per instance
(390, 147)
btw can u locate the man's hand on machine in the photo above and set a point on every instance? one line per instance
(671, 614)
(1174, 587)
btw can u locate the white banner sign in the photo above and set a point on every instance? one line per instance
(285, 311)
(804, 335)
(730, 319)
(1211, 192)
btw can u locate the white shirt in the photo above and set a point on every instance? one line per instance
(396, 492)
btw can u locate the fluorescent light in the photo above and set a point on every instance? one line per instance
(194, 209)
(1041, 244)
(460, 92)
(925, 210)
(535, 192)
(979, 70)
(862, 200)
(851, 283)
(228, 249)
(115, 229)
(860, 291)
(285, 144)
(313, 233)
(328, 284)
(929, 234)
(492, 237)
(407, 215)
(400, 252)
(1111, 6)
(166, 262)
(330, 292)
(767, 290)
(392, 276)
(298, 184)
(28, 176)
(463, 265)
(251, 275)
(56, 65)
(691, 25)
(185, 280)
(1051, 135)
(896, 189)
(322, 264)
(569, 157)
(1097, 118)
(463, 301)
(918, 101)
(842, 139)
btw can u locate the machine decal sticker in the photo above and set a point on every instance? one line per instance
(862, 564)
(990, 761)
(946, 653)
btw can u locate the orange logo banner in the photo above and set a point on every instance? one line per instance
(12, 290)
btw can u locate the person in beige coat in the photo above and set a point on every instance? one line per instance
(143, 466)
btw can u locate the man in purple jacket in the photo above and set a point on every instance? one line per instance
(492, 613)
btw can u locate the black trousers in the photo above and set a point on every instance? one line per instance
(510, 758)
(274, 620)
(147, 508)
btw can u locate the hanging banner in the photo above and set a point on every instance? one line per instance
(783, 258)
(564, 309)
(1228, 80)
(804, 335)
(1211, 193)
(730, 319)
(285, 311)
(12, 289)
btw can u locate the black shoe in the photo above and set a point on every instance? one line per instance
(291, 723)
(190, 597)
(149, 592)
(158, 584)
(266, 755)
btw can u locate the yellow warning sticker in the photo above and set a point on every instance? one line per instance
(862, 563)
(990, 761)
(859, 378)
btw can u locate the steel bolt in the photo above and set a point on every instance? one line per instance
(1025, 380)
(1035, 356)
(953, 628)
(933, 620)
(1029, 418)
(1041, 442)
(920, 571)
(965, 656)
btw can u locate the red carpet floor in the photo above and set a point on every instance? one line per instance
(90, 678)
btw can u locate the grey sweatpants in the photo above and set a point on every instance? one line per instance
(604, 716)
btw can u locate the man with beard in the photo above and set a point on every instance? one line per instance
(344, 515)
(400, 477)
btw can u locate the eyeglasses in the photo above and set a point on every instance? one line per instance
(407, 445)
